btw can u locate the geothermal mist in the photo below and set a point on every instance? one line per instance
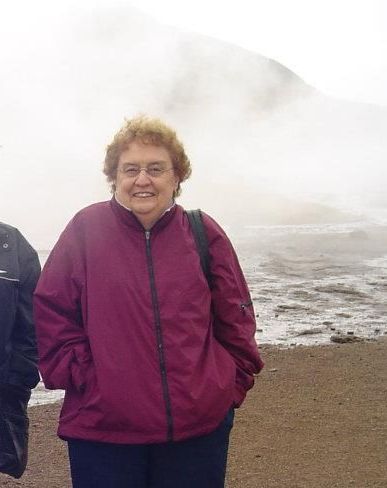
(260, 139)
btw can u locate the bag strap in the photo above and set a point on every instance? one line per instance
(199, 232)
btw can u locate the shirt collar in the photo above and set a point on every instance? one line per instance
(130, 211)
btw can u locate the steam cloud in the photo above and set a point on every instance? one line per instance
(258, 136)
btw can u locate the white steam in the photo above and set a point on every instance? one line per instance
(257, 135)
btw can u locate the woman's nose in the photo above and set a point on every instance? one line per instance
(143, 178)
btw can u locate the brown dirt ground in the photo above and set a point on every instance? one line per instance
(316, 418)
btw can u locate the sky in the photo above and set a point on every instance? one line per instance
(60, 103)
(339, 46)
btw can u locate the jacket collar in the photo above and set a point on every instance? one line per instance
(127, 217)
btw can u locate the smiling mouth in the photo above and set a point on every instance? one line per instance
(143, 194)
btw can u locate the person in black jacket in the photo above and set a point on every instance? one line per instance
(19, 272)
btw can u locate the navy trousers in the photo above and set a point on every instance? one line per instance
(195, 463)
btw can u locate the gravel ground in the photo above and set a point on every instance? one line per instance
(316, 418)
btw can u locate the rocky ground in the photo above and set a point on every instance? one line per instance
(316, 418)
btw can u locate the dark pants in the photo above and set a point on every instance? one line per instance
(194, 463)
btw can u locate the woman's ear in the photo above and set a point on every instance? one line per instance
(177, 183)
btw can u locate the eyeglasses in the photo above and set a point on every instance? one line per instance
(152, 171)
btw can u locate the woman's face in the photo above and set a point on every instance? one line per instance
(148, 195)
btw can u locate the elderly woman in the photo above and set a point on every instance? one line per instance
(153, 361)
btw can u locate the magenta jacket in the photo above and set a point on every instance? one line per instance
(127, 325)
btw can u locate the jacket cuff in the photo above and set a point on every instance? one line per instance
(239, 396)
(79, 369)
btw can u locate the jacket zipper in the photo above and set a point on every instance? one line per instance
(159, 338)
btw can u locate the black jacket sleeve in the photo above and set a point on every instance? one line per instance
(23, 369)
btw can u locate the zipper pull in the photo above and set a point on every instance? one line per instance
(244, 306)
(147, 235)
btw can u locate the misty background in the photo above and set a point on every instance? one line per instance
(266, 147)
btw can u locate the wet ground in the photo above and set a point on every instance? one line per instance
(312, 284)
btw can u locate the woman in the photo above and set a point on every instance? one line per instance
(153, 362)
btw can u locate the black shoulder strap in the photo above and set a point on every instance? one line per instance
(196, 222)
